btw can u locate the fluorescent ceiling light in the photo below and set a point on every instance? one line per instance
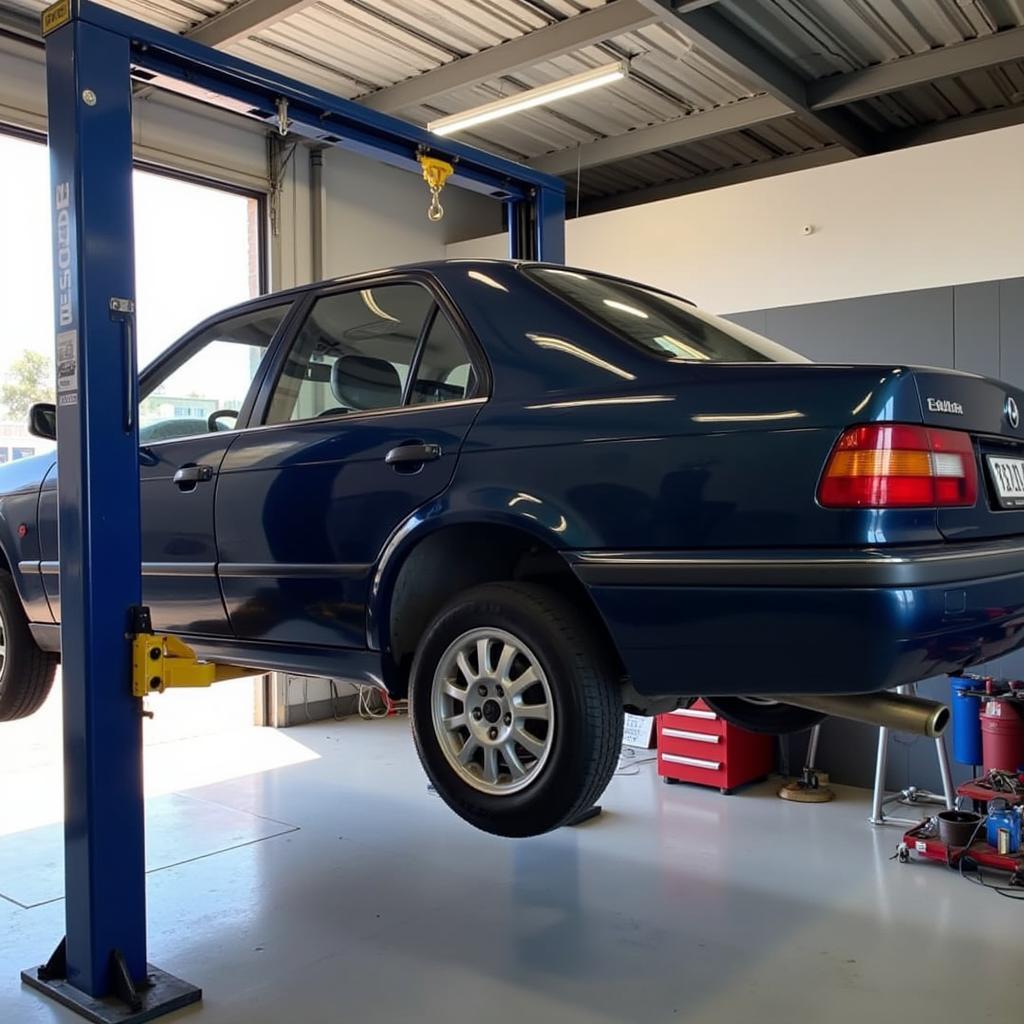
(603, 75)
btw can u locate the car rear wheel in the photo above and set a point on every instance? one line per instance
(516, 709)
(764, 715)
(26, 672)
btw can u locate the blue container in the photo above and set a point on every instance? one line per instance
(1006, 818)
(966, 724)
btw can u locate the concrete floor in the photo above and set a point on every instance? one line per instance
(678, 904)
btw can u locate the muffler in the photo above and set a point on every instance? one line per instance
(892, 710)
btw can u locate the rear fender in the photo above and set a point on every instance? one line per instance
(494, 506)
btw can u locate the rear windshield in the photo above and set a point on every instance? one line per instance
(662, 324)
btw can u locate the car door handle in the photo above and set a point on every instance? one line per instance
(188, 476)
(414, 452)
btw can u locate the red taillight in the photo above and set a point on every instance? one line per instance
(896, 465)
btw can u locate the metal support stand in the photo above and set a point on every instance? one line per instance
(584, 816)
(912, 794)
(92, 55)
(808, 789)
(128, 1002)
(536, 229)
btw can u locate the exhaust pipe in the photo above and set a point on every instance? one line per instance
(891, 710)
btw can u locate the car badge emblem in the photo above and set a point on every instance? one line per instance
(946, 406)
(1012, 412)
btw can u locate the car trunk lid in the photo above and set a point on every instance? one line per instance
(991, 412)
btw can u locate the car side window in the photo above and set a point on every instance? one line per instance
(203, 390)
(352, 354)
(444, 372)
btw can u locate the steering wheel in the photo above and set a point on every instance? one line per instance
(218, 414)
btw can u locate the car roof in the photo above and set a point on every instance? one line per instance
(436, 268)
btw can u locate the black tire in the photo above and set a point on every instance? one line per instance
(583, 749)
(773, 719)
(26, 674)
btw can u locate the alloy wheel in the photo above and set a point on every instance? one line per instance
(493, 711)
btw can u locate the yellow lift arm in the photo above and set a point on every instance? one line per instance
(160, 661)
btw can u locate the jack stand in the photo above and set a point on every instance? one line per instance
(912, 794)
(130, 1002)
(584, 816)
(810, 788)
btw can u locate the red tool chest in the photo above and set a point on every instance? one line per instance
(696, 745)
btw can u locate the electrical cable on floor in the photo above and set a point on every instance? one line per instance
(376, 703)
(630, 760)
(335, 697)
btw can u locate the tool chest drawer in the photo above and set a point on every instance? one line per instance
(699, 718)
(697, 745)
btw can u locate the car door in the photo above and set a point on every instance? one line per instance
(182, 445)
(363, 420)
(190, 412)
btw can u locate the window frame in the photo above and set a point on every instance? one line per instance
(176, 355)
(528, 271)
(442, 302)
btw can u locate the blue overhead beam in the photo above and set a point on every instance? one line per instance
(312, 112)
(100, 968)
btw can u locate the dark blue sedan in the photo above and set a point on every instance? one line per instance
(528, 497)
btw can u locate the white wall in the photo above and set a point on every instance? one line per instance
(377, 215)
(947, 213)
(373, 216)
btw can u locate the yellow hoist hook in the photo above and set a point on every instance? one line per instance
(435, 174)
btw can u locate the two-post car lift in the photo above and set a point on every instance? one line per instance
(93, 56)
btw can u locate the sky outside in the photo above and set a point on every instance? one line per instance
(191, 255)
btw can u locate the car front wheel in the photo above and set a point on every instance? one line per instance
(26, 672)
(516, 709)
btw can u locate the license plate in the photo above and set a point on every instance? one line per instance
(1008, 477)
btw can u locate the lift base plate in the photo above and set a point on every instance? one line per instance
(164, 994)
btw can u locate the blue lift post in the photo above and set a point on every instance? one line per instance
(93, 55)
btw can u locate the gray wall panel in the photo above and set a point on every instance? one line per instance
(975, 327)
(754, 321)
(1011, 331)
(907, 327)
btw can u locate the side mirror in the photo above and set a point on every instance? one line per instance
(42, 420)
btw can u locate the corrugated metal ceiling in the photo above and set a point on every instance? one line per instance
(173, 15)
(826, 37)
(355, 47)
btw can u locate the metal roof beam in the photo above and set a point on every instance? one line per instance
(955, 127)
(749, 61)
(917, 69)
(594, 26)
(717, 179)
(732, 117)
(243, 19)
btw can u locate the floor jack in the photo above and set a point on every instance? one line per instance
(810, 788)
(912, 795)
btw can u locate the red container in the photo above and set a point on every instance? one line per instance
(1002, 736)
(695, 745)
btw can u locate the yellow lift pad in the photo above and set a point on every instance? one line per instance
(160, 661)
